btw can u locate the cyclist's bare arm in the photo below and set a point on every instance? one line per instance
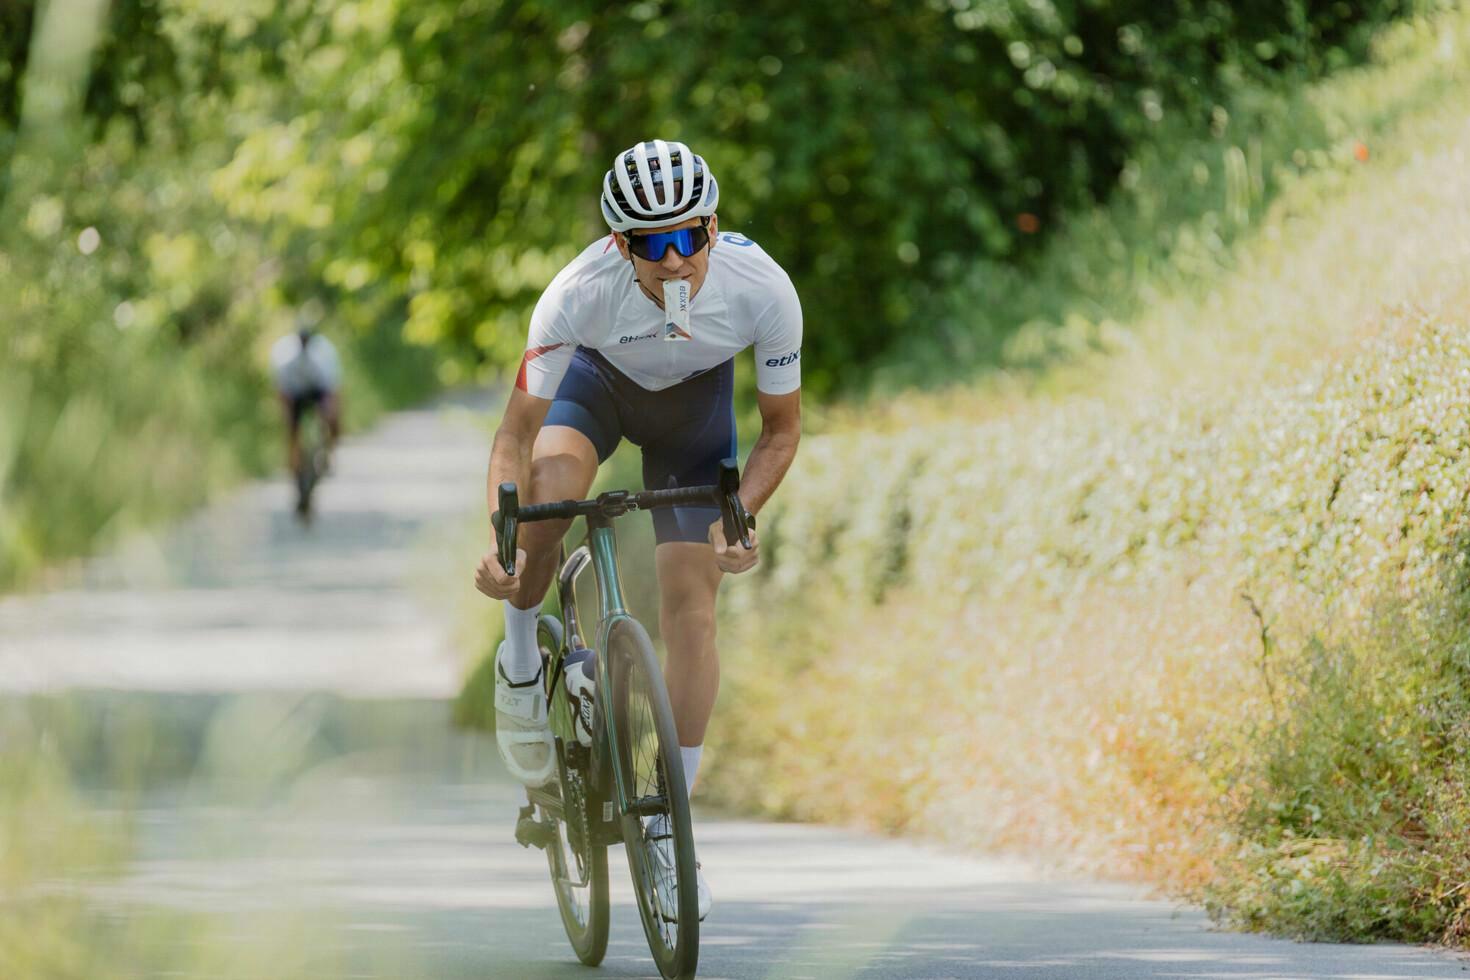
(764, 470)
(774, 450)
(510, 462)
(510, 454)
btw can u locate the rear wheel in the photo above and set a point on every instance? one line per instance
(578, 867)
(313, 462)
(305, 483)
(656, 827)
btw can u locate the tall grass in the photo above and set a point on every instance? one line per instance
(1196, 612)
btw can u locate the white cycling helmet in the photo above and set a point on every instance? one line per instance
(657, 183)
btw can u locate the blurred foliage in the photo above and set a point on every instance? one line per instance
(15, 35)
(414, 173)
(452, 151)
(135, 313)
(134, 65)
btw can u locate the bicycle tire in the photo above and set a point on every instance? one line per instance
(652, 774)
(309, 470)
(578, 873)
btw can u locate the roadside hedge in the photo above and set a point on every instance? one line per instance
(1199, 617)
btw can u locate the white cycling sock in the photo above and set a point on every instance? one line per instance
(689, 755)
(521, 659)
(658, 826)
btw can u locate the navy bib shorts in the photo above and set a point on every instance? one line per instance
(684, 430)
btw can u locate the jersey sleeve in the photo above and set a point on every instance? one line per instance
(778, 339)
(328, 363)
(549, 346)
(282, 352)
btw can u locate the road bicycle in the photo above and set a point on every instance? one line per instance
(628, 785)
(313, 460)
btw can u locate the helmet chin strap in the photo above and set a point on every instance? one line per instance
(634, 266)
(659, 300)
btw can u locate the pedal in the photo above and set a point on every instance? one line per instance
(531, 832)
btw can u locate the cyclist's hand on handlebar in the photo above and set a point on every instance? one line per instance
(490, 577)
(735, 557)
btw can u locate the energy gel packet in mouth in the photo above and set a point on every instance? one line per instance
(676, 309)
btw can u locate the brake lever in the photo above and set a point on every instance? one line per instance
(506, 523)
(736, 521)
(743, 517)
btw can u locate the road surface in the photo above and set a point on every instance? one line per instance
(321, 820)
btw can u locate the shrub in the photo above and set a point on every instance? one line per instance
(1197, 616)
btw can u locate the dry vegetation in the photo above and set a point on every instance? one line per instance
(1193, 608)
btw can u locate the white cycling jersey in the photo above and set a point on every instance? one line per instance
(746, 300)
(303, 368)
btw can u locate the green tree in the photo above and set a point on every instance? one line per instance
(877, 150)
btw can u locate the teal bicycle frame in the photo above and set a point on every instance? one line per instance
(601, 553)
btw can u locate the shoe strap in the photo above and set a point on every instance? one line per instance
(525, 705)
(524, 700)
(513, 737)
(500, 669)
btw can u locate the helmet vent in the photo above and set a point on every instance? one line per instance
(657, 183)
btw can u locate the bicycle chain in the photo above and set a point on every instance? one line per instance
(580, 831)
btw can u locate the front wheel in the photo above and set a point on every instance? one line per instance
(578, 866)
(655, 822)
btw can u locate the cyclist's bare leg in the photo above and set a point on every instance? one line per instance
(293, 437)
(563, 465)
(331, 409)
(688, 580)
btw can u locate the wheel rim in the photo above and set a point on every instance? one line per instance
(648, 781)
(568, 871)
(569, 868)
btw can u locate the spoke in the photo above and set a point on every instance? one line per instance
(647, 814)
(575, 893)
(652, 801)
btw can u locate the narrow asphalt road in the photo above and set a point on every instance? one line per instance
(321, 820)
(242, 597)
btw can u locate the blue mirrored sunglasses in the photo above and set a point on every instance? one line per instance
(686, 241)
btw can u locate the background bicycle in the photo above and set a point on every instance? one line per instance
(314, 463)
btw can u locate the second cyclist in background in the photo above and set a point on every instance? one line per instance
(308, 376)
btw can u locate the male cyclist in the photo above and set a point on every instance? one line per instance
(308, 374)
(598, 369)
